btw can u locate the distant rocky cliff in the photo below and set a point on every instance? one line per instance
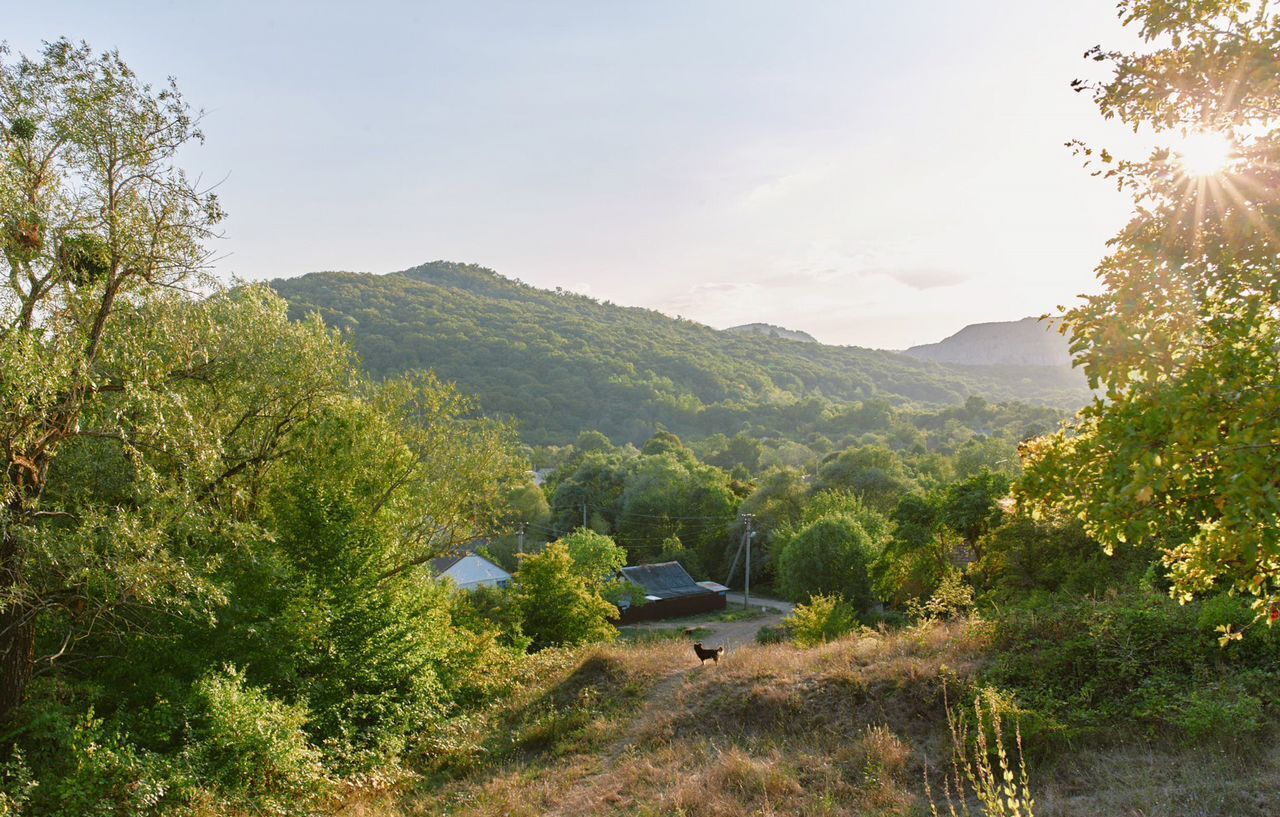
(1028, 342)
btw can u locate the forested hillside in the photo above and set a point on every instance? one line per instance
(562, 363)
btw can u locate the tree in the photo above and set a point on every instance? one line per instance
(672, 494)
(1184, 339)
(971, 507)
(829, 555)
(559, 605)
(98, 219)
(918, 554)
(596, 484)
(873, 472)
(596, 557)
(673, 550)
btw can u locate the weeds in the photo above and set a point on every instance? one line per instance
(1000, 787)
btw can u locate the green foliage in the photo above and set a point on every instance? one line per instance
(1023, 556)
(672, 494)
(971, 507)
(952, 598)
(1139, 659)
(251, 747)
(1183, 340)
(559, 602)
(673, 550)
(918, 553)
(875, 473)
(823, 618)
(596, 558)
(828, 556)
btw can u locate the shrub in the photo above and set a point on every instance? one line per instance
(823, 619)
(83, 765)
(771, 634)
(1024, 555)
(951, 599)
(1140, 659)
(16, 783)
(252, 747)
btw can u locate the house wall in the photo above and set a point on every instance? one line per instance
(673, 608)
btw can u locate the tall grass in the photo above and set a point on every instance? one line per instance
(999, 784)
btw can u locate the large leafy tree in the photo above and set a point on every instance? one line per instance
(97, 220)
(562, 602)
(1181, 447)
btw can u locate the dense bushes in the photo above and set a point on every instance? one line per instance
(1083, 666)
(1024, 555)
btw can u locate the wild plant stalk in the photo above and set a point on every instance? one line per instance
(1002, 789)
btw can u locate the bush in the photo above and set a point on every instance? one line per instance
(823, 619)
(81, 764)
(1024, 555)
(771, 635)
(252, 747)
(953, 598)
(1140, 659)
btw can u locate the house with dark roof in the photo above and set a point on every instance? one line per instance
(669, 592)
(469, 571)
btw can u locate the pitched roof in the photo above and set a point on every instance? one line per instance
(443, 563)
(666, 580)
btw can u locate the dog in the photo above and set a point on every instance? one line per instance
(704, 653)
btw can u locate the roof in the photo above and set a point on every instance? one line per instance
(443, 563)
(467, 569)
(714, 587)
(666, 580)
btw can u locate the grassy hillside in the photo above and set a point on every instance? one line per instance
(849, 728)
(562, 363)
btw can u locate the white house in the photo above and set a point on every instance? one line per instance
(469, 571)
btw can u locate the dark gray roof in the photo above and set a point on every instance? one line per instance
(666, 580)
(443, 563)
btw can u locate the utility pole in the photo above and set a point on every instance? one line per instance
(746, 587)
(520, 546)
(584, 514)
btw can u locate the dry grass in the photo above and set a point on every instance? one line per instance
(847, 728)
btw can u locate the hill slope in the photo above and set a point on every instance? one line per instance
(1027, 342)
(850, 728)
(562, 363)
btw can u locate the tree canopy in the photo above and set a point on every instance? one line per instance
(1180, 450)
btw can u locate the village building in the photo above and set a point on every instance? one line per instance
(468, 571)
(669, 592)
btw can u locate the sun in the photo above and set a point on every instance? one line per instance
(1203, 153)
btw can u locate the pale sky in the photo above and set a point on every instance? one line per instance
(875, 174)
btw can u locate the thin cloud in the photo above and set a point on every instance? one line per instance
(923, 278)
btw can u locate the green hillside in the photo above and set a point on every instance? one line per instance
(561, 363)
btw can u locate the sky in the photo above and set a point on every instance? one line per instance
(876, 174)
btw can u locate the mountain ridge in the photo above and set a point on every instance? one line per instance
(561, 362)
